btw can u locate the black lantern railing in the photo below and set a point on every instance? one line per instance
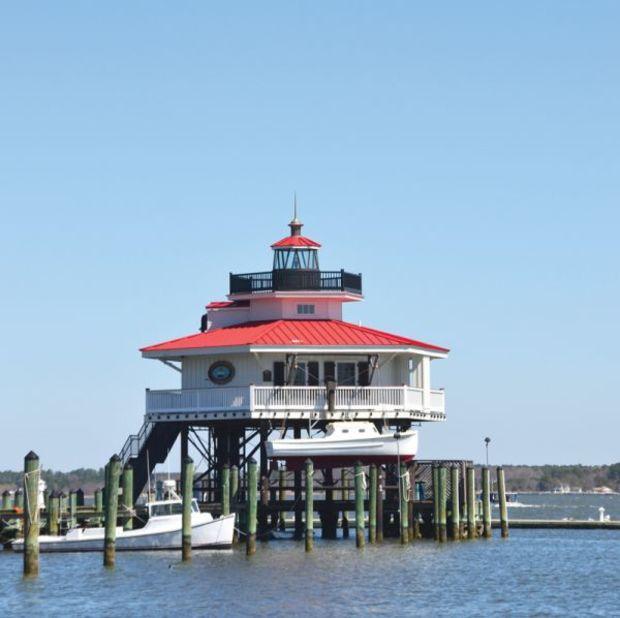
(296, 280)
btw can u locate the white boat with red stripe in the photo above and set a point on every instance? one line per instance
(344, 444)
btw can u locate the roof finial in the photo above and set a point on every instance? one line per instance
(295, 224)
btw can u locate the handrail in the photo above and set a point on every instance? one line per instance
(295, 279)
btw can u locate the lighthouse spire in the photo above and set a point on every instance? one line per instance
(295, 223)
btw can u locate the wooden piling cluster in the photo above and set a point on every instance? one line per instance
(413, 501)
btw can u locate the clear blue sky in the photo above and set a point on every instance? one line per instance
(463, 156)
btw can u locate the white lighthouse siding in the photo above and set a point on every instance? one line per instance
(392, 370)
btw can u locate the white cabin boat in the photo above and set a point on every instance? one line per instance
(345, 444)
(161, 531)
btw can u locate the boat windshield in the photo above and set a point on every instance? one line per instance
(166, 508)
(171, 508)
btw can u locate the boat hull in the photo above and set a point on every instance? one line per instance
(207, 533)
(343, 461)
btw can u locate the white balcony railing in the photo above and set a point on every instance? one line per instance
(295, 398)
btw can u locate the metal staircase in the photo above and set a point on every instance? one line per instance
(146, 449)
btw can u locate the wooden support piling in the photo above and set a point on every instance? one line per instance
(443, 504)
(187, 487)
(309, 505)
(329, 515)
(436, 502)
(380, 496)
(359, 505)
(471, 503)
(127, 496)
(234, 495)
(264, 508)
(32, 474)
(486, 502)
(53, 515)
(345, 498)
(297, 482)
(411, 515)
(98, 504)
(404, 507)
(7, 500)
(251, 492)
(463, 500)
(454, 503)
(281, 497)
(111, 511)
(372, 505)
(72, 509)
(503, 507)
(225, 482)
(18, 501)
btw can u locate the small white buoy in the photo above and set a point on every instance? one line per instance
(601, 513)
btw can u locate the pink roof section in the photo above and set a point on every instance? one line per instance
(291, 333)
(296, 241)
(225, 304)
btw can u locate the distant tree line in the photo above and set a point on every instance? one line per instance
(547, 478)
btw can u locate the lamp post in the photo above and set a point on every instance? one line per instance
(486, 442)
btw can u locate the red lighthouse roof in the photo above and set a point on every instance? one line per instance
(298, 333)
(296, 241)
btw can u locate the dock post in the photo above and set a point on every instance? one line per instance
(297, 483)
(18, 501)
(471, 503)
(251, 491)
(345, 498)
(72, 509)
(463, 499)
(380, 495)
(6, 500)
(53, 514)
(187, 489)
(32, 474)
(264, 509)
(486, 502)
(225, 489)
(411, 515)
(359, 505)
(111, 511)
(456, 515)
(98, 504)
(127, 496)
(443, 504)
(281, 497)
(372, 505)
(503, 507)
(436, 502)
(404, 506)
(329, 516)
(309, 505)
(234, 495)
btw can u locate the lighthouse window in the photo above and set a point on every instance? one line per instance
(305, 309)
(300, 375)
(346, 374)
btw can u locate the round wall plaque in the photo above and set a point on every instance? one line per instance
(221, 372)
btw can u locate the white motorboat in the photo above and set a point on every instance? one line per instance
(346, 443)
(161, 531)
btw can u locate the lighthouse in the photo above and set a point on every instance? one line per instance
(277, 355)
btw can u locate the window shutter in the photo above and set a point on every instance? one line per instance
(313, 373)
(329, 368)
(362, 373)
(278, 373)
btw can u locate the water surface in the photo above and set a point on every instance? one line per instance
(533, 573)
